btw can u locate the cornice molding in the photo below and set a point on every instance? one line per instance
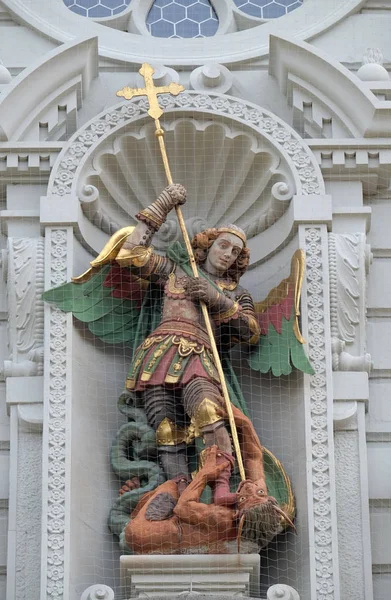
(347, 99)
(366, 160)
(39, 85)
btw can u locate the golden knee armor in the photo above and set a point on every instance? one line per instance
(169, 434)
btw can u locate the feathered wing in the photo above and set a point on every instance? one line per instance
(109, 299)
(281, 344)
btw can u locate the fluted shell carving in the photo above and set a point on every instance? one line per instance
(231, 174)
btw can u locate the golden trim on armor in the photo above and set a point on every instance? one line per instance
(171, 286)
(192, 433)
(208, 364)
(254, 339)
(228, 314)
(147, 373)
(177, 367)
(187, 347)
(153, 218)
(206, 414)
(254, 327)
(183, 332)
(169, 434)
(172, 378)
(225, 285)
(186, 329)
(150, 341)
(138, 256)
(236, 232)
(130, 383)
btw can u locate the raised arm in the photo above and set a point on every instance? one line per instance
(137, 251)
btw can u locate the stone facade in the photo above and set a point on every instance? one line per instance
(284, 112)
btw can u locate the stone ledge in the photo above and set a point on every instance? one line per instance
(225, 575)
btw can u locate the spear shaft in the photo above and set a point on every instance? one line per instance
(155, 112)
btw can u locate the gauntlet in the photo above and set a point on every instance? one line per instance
(155, 214)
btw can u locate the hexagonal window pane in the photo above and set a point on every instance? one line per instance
(189, 2)
(209, 27)
(251, 9)
(248, 5)
(199, 12)
(267, 9)
(295, 5)
(186, 16)
(86, 3)
(187, 29)
(154, 14)
(261, 2)
(78, 10)
(118, 10)
(97, 8)
(99, 12)
(162, 29)
(112, 4)
(273, 11)
(174, 13)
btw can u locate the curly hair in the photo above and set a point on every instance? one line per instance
(201, 243)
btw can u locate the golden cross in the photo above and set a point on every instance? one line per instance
(150, 91)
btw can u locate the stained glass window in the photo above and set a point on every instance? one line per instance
(268, 9)
(97, 8)
(182, 19)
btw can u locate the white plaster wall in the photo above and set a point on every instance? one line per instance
(379, 409)
(28, 515)
(98, 376)
(348, 40)
(19, 45)
(349, 515)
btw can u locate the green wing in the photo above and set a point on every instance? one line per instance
(280, 347)
(111, 303)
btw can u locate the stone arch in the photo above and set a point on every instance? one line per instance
(271, 155)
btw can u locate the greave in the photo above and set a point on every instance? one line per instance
(174, 461)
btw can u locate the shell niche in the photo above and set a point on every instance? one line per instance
(231, 172)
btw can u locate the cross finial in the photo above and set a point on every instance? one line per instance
(150, 90)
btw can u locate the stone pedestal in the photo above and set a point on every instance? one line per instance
(170, 575)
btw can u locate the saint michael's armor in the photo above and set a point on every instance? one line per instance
(173, 370)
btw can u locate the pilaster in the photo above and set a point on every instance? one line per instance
(318, 398)
(57, 416)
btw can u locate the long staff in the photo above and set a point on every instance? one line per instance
(156, 112)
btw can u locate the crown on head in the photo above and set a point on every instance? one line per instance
(235, 230)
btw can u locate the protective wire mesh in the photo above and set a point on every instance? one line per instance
(126, 394)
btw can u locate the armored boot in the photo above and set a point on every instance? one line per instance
(172, 453)
(174, 462)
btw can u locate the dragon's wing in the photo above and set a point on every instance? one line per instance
(107, 298)
(281, 344)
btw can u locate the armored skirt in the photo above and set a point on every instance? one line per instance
(175, 353)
